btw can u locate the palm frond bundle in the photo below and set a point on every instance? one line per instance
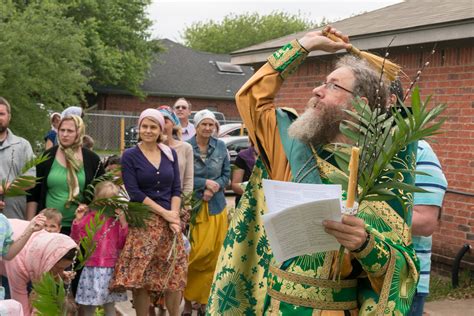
(380, 136)
(19, 185)
(49, 296)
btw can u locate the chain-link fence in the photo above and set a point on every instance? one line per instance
(111, 129)
(115, 130)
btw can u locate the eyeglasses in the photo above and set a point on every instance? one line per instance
(181, 107)
(334, 86)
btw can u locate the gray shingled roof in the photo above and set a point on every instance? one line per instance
(412, 21)
(182, 72)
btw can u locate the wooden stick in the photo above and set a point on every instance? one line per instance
(352, 185)
(390, 69)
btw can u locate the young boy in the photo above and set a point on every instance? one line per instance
(53, 220)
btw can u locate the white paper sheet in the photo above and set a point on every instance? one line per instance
(296, 211)
(280, 194)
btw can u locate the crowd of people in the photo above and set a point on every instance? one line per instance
(180, 171)
(162, 171)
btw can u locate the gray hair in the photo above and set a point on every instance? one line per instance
(367, 81)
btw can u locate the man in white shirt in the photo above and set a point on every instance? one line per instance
(182, 108)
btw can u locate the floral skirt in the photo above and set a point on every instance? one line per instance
(207, 237)
(93, 287)
(149, 260)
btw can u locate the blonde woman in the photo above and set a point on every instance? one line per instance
(66, 174)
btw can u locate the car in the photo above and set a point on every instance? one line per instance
(131, 136)
(232, 129)
(234, 145)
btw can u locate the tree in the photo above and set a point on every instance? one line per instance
(239, 31)
(43, 61)
(53, 52)
(118, 40)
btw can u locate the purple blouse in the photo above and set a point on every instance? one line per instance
(142, 179)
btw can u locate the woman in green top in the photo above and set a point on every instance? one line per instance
(65, 175)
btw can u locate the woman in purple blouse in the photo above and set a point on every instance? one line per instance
(150, 173)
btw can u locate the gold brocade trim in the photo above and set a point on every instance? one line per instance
(293, 277)
(393, 220)
(328, 259)
(311, 303)
(365, 252)
(381, 208)
(412, 266)
(387, 284)
(288, 58)
(381, 271)
(274, 309)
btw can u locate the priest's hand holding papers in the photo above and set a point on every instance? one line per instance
(293, 223)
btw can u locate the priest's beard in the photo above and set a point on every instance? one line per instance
(315, 127)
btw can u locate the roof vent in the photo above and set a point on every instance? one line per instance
(229, 68)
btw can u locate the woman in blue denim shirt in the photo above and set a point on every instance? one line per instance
(209, 227)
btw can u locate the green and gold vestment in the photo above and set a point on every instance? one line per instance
(381, 279)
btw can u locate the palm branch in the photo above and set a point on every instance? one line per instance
(136, 213)
(87, 243)
(380, 137)
(50, 296)
(19, 185)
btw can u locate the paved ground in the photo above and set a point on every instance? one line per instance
(438, 308)
(450, 307)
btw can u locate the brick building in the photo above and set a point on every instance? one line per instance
(207, 80)
(418, 26)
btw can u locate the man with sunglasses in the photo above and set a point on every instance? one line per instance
(378, 272)
(182, 108)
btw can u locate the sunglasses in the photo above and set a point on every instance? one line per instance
(181, 107)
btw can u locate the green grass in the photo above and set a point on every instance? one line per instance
(106, 153)
(441, 288)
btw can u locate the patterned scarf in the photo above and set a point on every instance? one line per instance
(73, 165)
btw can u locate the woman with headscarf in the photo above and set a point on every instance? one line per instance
(66, 174)
(153, 260)
(209, 226)
(184, 151)
(44, 252)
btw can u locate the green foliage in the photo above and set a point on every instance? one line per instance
(53, 52)
(135, 213)
(238, 31)
(23, 182)
(380, 136)
(196, 204)
(87, 245)
(49, 295)
(43, 61)
(117, 37)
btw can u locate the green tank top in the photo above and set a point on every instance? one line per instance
(58, 191)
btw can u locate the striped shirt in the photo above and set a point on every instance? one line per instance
(436, 184)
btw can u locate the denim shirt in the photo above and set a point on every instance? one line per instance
(216, 167)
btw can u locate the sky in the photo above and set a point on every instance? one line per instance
(170, 18)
